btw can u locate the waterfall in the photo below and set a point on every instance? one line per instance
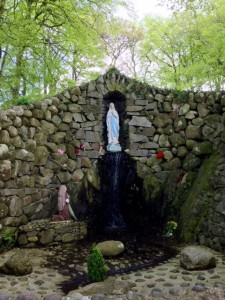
(114, 174)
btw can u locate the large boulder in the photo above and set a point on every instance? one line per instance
(110, 286)
(197, 258)
(18, 264)
(110, 248)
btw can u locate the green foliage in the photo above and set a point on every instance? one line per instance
(177, 5)
(138, 86)
(8, 239)
(96, 265)
(187, 49)
(46, 44)
(182, 193)
(181, 96)
(113, 70)
(23, 100)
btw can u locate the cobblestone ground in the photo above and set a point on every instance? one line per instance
(167, 280)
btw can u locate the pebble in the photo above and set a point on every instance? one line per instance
(98, 297)
(148, 276)
(215, 277)
(174, 291)
(201, 277)
(53, 296)
(157, 293)
(130, 295)
(151, 285)
(140, 280)
(159, 280)
(184, 284)
(198, 288)
(167, 284)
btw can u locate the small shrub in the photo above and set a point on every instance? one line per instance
(96, 265)
(181, 96)
(8, 239)
(23, 100)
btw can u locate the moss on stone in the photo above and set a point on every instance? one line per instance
(195, 202)
(152, 188)
(182, 192)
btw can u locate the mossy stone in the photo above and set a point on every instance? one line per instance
(194, 210)
(152, 188)
(191, 162)
(203, 148)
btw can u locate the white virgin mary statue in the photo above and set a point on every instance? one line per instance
(112, 121)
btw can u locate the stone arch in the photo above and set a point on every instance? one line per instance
(119, 100)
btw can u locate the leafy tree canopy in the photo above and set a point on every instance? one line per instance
(188, 49)
(46, 44)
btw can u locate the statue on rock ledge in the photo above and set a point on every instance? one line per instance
(112, 121)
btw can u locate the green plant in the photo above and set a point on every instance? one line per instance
(181, 96)
(23, 100)
(113, 70)
(96, 265)
(8, 239)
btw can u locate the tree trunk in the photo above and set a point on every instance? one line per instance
(15, 88)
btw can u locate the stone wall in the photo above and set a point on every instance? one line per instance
(57, 141)
(43, 232)
(213, 233)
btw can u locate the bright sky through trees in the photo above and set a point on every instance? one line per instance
(149, 7)
(142, 8)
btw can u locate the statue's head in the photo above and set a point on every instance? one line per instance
(111, 105)
(63, 188)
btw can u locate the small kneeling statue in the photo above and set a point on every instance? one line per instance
(65, 211)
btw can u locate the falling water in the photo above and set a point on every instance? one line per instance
(114, 175)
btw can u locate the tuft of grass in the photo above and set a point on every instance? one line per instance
(23, 100)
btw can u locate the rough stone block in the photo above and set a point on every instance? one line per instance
(93, 137)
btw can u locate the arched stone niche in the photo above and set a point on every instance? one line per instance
(119, 101)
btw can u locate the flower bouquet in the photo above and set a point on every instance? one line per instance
(170, 228)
